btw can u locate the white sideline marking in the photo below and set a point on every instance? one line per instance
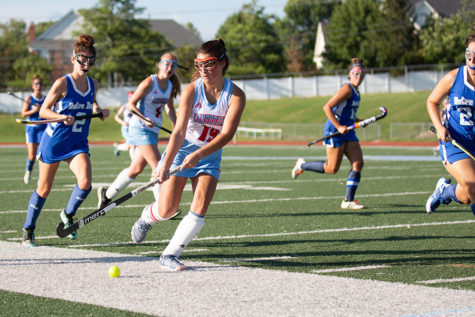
(37, 238)
(347, 269)
(224, 202)
(9, 231)
(450, 280)
(190, 250)
(269, 258)
(280, 234)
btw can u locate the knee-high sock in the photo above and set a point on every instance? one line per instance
(122, 181)
(29, 164)
(34, 208)
(77, 197)
(156, 191)
(189, 227)
(123, 147)
(473, 209)
(131, 152)
(150, 214)
(352, 183)
(448, 194)
(316, 166)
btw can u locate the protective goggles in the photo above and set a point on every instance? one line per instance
(206, 63)
(83, 59)
(358, 72)
(169, 63)
(469, 55)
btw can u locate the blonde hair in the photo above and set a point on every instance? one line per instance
(37, 77)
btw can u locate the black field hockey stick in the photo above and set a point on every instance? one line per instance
(359, 124)
(455, 143)
(148, 120)
(88, 116)
(11, 93)
(63, 232)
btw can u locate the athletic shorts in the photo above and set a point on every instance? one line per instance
(450, 153)
(210, 164)
(33, 134)
(139, 136)
(124, 130)
(339, 140)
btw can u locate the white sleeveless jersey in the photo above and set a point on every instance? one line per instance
(206, 120)
(152, 105)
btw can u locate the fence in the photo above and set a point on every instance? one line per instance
(275, 88)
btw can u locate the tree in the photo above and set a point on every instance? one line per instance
(300, 29)
(380, 33)
(13, 45)
(126, 47)
(252, 42)
(24, 69)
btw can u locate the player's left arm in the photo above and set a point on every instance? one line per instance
(170, 109)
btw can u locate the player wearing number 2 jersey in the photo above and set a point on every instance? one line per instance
(70, 96)
(209, 114)
(153, 95)
(459, 86)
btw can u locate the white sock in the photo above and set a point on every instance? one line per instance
(122, 180)
(156, 191)
(123, 147)
(150, 214)
(131, 152)
(189, 227)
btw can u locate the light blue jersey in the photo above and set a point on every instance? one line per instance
(62, 141)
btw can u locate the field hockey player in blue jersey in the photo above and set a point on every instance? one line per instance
(210, 110)
(459, 86)
(33, 133)
(153, 95)
(70, 96)
(341, 112)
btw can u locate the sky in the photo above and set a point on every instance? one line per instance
(206, 15)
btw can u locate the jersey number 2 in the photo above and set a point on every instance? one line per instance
(77, 125)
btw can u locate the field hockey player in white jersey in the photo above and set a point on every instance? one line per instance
(33, 133)
(209, 113)
(459, 86)
(152, 96)
(70, 96)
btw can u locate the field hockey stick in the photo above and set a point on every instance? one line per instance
(148, 120)
(88, 116)
(455, 143)
(63, 232)
(11, 93)
(359, 124)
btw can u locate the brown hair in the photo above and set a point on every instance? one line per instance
(84, 43)
(217, 48)
(471, 37)
(37, 77)
(174, 77)
(356, 62)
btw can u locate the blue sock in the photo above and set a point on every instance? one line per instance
(29, 165)
(448, 194)
(77, 197)
(352, 183)
(473, 209)
(316, 166)
(34, 208)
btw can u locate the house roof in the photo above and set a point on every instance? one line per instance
(443, 8)
(65, 27)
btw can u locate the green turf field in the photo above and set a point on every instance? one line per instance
(260, 217)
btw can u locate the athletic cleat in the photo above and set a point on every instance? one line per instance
(27, 177)
(28, 238)
(139, 230)
(68, 222)
(345, 204)
(101, 197)
(434, 201)
(171, 263)
(116, 150)
(297, 170)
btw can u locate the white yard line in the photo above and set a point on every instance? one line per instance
(207, 289)
(349, 269)
(450, 280)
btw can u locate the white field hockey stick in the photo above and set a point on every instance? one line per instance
(89, 116)
(148, 120)
(63, 232)
(455, 143)
(362, 123)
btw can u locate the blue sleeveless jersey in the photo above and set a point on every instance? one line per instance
(345, 112)
(62, 141)
(460, 115)
(34, 132)
(36, 115)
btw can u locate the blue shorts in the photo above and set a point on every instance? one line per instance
(124, 130)
(33, 134)
(339, 140)
(139, 136)
(450, 153)
(210, 164)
